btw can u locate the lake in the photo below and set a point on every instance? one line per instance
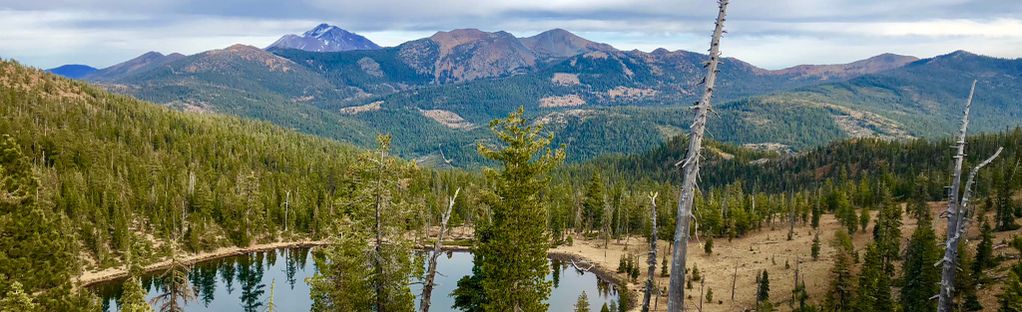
(242, 283)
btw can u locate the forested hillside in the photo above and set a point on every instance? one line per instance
(100, 175)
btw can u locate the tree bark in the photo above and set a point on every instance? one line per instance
(963, 216)
(427, 287)
(651, 260)
(690, 171)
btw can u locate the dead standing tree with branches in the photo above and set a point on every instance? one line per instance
(958, 211)
(690, 171)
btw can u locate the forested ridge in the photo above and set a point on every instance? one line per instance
(115, 176)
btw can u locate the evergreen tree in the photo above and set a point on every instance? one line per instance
(1010, 299)
(605, 308)
(887, 232)
(35, 250)
(708, 246)
(815, 249)
(582, 304)
(985, 250)
(1005, 208)
(874, 292)
(841, 294)
(133, 298)
(919, 276)
(965, 282)
(763, 288)
(594, 204)
(512, 248)
(366, 266)
(16, 300)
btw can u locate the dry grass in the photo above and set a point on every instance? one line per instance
(768, 250)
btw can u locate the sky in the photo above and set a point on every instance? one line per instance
(771, 34)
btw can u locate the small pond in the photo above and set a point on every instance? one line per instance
(242, 283)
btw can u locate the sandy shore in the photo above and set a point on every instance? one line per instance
(91, 277)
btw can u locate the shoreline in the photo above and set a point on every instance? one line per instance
(89, 278)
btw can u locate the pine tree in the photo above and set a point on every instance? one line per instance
(984, 251)
(1010, 299)
(887, 232)
(763, 288)
(965, 282)
(815, 249)
(919, 276)
(582, 304)
(35, 249)
(512, 248)
(605, 308)
(593, 205)
(841, 294)
(133, 298)
(1005, 209)
(367, 264)
(708, 246)
(874, 283)
(16, 300)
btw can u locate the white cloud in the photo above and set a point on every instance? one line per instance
(765, 33)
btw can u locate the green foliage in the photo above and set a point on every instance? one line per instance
(1005, 206)
(984, 250)
(1010, 299)
(133, 297)
(368, 264)
(511, 248)
(815, 249)
(874, 291)
(593, 206)
(582, 304)
(919, 276)
(763, 287)
(708, 246)
(16, 300)
(841, 295)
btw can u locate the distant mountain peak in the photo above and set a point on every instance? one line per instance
(73, 71)
(325, 38)
(874, 64)
(560, 43)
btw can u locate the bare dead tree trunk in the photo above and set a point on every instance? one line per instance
(795, 288)
(791, 222)
(963, 215)
(287, 206)
(651, 260)
(702, 294)
(957, 211)
(690, 169)
(427, 287)
(734, 282)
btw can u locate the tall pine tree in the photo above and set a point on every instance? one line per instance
(919, 276)
(511, 250)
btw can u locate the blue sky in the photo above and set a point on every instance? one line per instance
(771, 34)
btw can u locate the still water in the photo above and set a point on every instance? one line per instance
(242, 283)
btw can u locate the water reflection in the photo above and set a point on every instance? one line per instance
(241, 283)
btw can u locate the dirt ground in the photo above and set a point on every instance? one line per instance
(770, 250)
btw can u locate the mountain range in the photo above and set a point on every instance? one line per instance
(435, 94)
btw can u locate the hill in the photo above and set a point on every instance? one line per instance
(112, 171)
(73, 71)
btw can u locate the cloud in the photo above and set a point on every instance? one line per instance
(766, 33)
